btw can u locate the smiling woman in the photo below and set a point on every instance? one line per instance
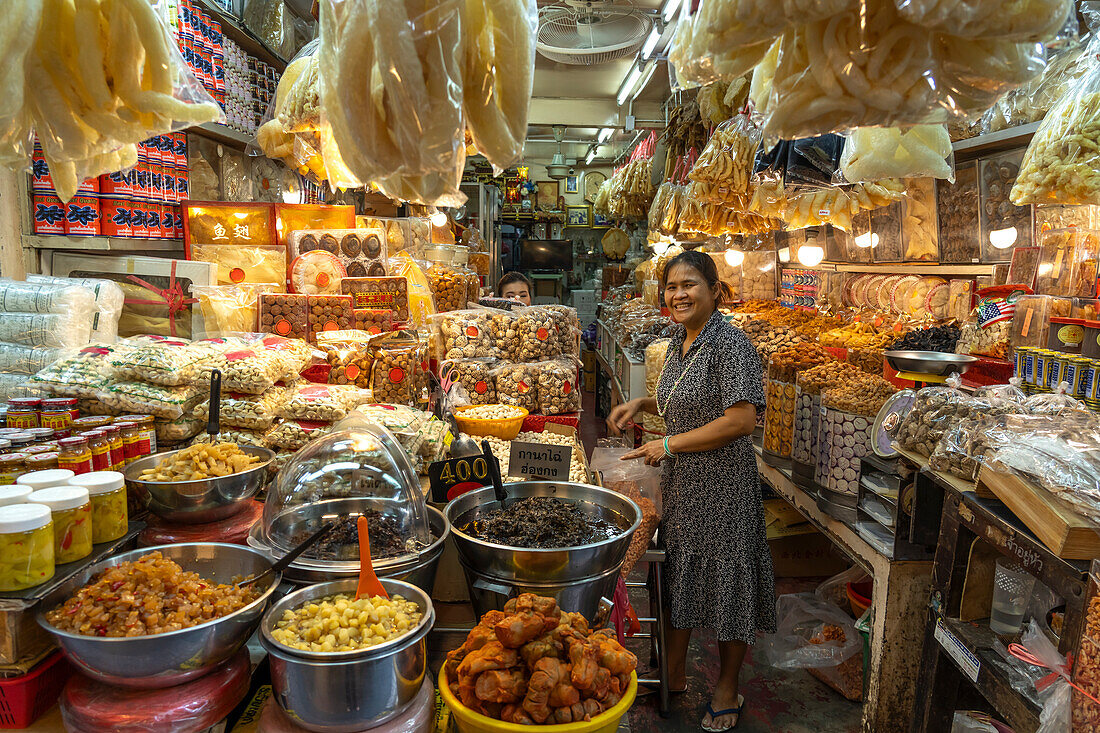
(718, 568)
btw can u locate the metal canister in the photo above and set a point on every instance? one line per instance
(1054, 363)
(1039, 384)
(1071, 372)
(1090, 381)
(1026, 356)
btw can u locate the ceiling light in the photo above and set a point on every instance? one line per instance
(867, 239)
(811, 255)
(591, 154)
(1003, 238)
(669, 10)
(734, 257)
(650, 68)
(438, 218)
(605, 134)
(628, 84)
(651, 42)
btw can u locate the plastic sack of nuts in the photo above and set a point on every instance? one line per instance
(169, 363)
(244, 436)
(141, 398)
(449, 286)
(321, 402)
(255, 367)
(517, 384)
(83, 374)
(241, 410)
(475, 376)
(466, 334)
(655, 355)
(989, 330)
(557, 386)
(817, 636)
(934, 410)
(399, 373)
(293, 434)
(182, 428)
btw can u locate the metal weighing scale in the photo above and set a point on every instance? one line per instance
(928, 367)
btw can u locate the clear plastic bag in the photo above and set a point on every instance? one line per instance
(639, 483)
(1036, 20)
(293, 434)
(169, 363)
(240, 410)
(141, 398)
(558, 390)
(17, 296)
(816, 636)
(934, 410)
(180, 429)
(243, 436)
(728, 158)
(399, 374)
(518, 384)
(83, 374)
(230, 309)
(321, 402)
(474, 376)
(469, 334)
(108, 300)
(52, 330)
(874, 153)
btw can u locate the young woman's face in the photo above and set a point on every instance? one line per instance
(517, 291)
(687, 295)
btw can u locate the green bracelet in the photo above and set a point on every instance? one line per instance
(667, 451)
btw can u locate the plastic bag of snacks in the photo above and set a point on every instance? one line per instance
(1054, 403)
(475, 376)
(655, 355)
(242, 436)
(934, 410)
(989, 331)
(517, 384)
(467, 334)
(421, 306)
(875, 153)
(153, 399)
(293, 434)
(82, 375)
(399, 372)
(531, 334)
(174, 431)
(557, 386)
(321, 402)
(349, 356)
(230, 309)
(169, 362)
(241, 410)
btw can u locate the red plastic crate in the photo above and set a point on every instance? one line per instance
(24, 699)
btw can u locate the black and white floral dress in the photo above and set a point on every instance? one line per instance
(718, 569)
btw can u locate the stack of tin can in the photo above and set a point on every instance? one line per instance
(201, 43)
(1041, 371)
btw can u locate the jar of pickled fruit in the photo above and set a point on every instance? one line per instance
(100, 446)
(23, 412)
(14, 494)
(27, 546)
(12, 466)
(75, 454)
(45, 461)
(71, 508)
(45, 479)
(108, 493)
(118, 450)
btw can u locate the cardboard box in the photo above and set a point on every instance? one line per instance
(783, 520)
(805, 555)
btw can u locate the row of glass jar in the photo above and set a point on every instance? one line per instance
(98, 444)
(55, 518)
(56, 413)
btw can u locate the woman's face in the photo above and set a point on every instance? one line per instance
(517, 291)
(687, 295)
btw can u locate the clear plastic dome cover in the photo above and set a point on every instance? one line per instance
(352, 472)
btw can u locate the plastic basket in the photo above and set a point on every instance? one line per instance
(470, 722)
(24, 699)
(537, 423)
(503, 428)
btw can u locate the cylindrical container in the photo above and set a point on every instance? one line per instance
(779, 419)
(23, 412)
(135, 442)
(47, 447)
(1012, 590)
(342, 692)
(850, 437)
(82, 216)
(41, 181)
(27, 546)
(148, 427)
(1091, 345)
(40, 435)
(91, 422)
(1073, 371)
(116, 217)
(115, 185)
(58, 413)
(1041, 358)
(20, 440)
(45, 479)
(14, 494)
(75, 454)
(12, 466)
(71, 508)
(118, 450)
(1027, 362)
(1066, 335)
(49, 214)
(1091, 382)
(1054, 363)
(38, 462)
(100, 446)
(107, 490)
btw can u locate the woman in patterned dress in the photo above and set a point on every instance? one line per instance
(718, 565)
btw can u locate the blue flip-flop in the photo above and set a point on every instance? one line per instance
(714, 715)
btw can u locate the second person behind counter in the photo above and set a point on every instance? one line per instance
(515, 286)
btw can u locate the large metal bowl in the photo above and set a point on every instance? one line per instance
(936, 363)
(164, 660)
(341, 692)
(201, 501)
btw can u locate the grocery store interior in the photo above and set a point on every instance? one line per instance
(617, 366)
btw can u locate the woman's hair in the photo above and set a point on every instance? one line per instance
(514, 277)
(704, 265)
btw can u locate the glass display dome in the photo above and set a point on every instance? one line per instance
(357, 471)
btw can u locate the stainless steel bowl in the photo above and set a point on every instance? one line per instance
(342, 692)
(935, 363)
(201, 501)
(164, 660)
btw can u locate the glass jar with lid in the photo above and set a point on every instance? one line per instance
(107, 490)
(14, 494)
(148, 426)
(20, 440)
(100, 446)
(58, 414)
(33, 450)
(46, 461)
(45, 479)
(23, 412)
(27, 546)
(135, 442)
(12, 466)
(91, 422)
(71, 508)
(348, 473)
(118, 449)
(5, 445)
(40, 435)
(75, 454)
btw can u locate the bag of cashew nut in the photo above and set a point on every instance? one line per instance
(168, 362)
(517, 384)
(143, 398)
(466, 334)
(83, 374)
(293, 434)
(400, 371)
(182, 428)
(321, 402)
(244, 436)
(472, 377)
(242, 410)
(558, 390)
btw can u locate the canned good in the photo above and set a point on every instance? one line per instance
(41, 181)
(116, 215)
(148, 427)
(1090, 382)
(1053, 370)
(82, 216)
(49, 214)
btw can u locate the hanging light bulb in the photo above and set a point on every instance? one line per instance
(867, 239)
(811, 255)
(438, 218)
(1003, 238)
(734, 257)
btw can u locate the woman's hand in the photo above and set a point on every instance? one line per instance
(621, 416)
(653, 452)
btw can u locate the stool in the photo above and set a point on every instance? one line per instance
(656, 558)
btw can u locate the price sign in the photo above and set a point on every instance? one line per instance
(539, 461)
(455, 476)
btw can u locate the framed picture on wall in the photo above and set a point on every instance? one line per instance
(547, 195)
(578, 216)
(599, 221)
(572, 184)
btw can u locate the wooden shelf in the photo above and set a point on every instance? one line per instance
(223, 134)
(911, 268)
(101, 244)
(994, 142)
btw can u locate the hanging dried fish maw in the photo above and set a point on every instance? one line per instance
(17, 31)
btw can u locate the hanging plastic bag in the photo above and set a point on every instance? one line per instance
(292, 129)
(921, 151)
(1036, 20)
(1056, 689)
(639, 483)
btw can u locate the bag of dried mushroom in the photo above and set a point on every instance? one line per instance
(531, 334)
(558, 391)
(517, 384)
(467, 334)
(349, 356)
(475, 376)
